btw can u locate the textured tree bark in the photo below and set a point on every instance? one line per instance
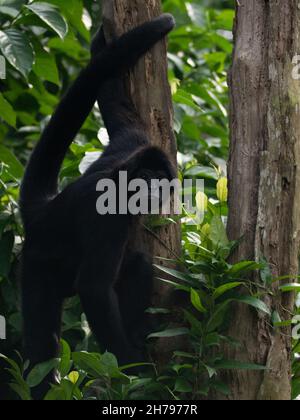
(150, 91)
(264, 178)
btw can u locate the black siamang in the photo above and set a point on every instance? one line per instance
(71, 249)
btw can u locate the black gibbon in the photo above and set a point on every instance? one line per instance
(69, 248)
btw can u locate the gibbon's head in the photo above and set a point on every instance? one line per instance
(154, 167)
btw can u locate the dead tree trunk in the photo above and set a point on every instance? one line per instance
(150, 91)
(265, 181)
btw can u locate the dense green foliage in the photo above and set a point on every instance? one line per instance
(45, 45)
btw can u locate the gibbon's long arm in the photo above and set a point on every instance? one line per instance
(40, 180)
(117, 109)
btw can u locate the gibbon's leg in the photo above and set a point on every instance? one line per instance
(135, 288)
(42, 308)
(101, 304)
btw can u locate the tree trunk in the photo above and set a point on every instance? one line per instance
(264, 179)
(150, 91)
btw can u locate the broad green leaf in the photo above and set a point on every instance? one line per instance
(11, 7)
(202, 172)
(109, 360)
(174, 332)
(196, 301)
(243, 266)
(224, 20)
(22, 391)
(276, 319)
(40, 371)
(291, 287)
(193, 321)
(218, 316)
(185, 98)
(218, 232)
(174, 273)
(89, 362)
(235, 365)
(17, 49)
(11, 362)
(56, 394)
(45, 67)
(183, 385)
(7, 112)
(51, 16)
(65, 358)
(256, 303)
(211, 371)
(196, 13)
(15, 167)
(73, 11)
(98, 365)
(225, 288)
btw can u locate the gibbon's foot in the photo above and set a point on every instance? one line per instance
(166, 22)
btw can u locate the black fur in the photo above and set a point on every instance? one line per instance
(69, 248)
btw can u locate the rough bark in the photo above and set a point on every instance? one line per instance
(150, 91)
(264, 185)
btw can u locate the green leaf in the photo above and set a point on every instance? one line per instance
(194, 322)
(22, 391)
(292, 287)
(243, 266)
(174, 332)
(202, 172)
(7, 112)
(17, 49)
(88, 362)
(73, 11)
(15, 167)
(235, 365)
(218, 316)
(65, 359)
(185, 98)
(45, 67)
(196, 301)
(56, 394)
(218, 233)
(225, 288)
(225, 19)
(97, 365)
(255, 303)
(182, 385)
(11, 7)
(211, 371)
(40, 371)
(51, 16)
(177, 274)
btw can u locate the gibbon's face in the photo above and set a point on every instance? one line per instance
(158, 188)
